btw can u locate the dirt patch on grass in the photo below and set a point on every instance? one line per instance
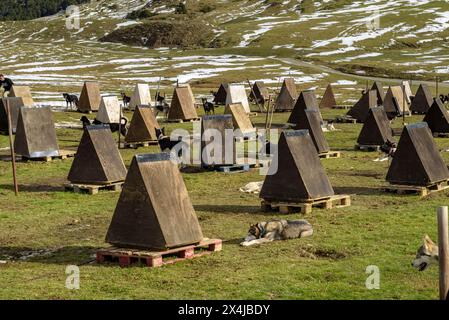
(164, 33)
(314, 253)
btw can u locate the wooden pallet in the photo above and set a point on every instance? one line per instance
(342, 107)
(182, 120)
(93, 188)
(135, 145)
(63, 154)
(330, 154)
(396, 131)
(345, 120)
(127, 257)
(337, 201)
(235, 168)
(420, 190)
(363, 147)
(440, 135)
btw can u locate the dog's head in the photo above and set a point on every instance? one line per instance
(85, 120)
(254, 232)
(65, 95)
(427, 254)
(160, 132)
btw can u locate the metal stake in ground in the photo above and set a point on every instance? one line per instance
(443, 252)
(11, 147)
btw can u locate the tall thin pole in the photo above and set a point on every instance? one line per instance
(268, 113)
(119, 126)
(403, 105)
(436, 84)
(11, 147)
(443, 252)
(271, 117)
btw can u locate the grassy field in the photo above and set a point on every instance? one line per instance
(45, 229)
(63, 228)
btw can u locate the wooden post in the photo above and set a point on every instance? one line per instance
(403, 105)
(436, 84)
(271, 117)
(120, 126)
(11, 147)
(443, 252)
(268, 113)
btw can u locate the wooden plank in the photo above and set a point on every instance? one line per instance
(135, 145)
(230, 169)
(345, 119)
(362, 147)
(342, 107)
(421, 190)
(126, 257)
(443, 252)
(63, 154)
(330, 154)
(93, 189)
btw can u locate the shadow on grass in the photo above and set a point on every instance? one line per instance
(365, 191)
(261, 125)
(34, 187)
(220, 208)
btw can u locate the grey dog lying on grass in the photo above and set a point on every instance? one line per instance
(277, 229)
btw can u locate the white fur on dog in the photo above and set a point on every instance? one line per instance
(252, 187)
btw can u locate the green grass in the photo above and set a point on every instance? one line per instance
(377, 229)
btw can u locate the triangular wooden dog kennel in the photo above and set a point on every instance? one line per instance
(182, 106)
(328, 100)
(422, 100)
(23, 92)
(259, 93)
(296, 173)
(380, 92)
(36, 133)
(360, 110)
(97, 160)
(287, 97)
(306, 101)
(437, 118)
(240, 118)
(311, 120)
(222, 93)
(154, 210)
(143, 126)
(90, 98)
(109, 111)
(141, 96)
(14, 106)
(395, 103)
(376, 130)
(417, 160)
(237, 94)
(217, 143)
